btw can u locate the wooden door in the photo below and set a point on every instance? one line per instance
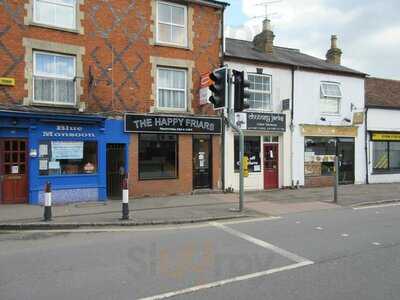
(271, 166)
(14, 171)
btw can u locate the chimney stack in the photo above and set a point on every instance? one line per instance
(264, 41)
(334, 54)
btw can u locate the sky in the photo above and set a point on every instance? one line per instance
(368, 30)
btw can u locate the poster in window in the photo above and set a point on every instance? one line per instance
(43, 150)
(43, 164)
(67, 150)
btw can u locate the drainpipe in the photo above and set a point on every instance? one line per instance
(222, 114)
(292, 130)
(366, 147)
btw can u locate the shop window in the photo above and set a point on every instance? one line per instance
(386, 156)
(58, 13)
(171, 88)
(158, 156)
(331, 94)
(171, 23)
(319, 156)
(252, 149)
(54, 79)
(260, 91)
(67, 157)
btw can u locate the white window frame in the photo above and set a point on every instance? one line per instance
(55, 103)
(185, 90)
(324, 96)
(185, 25)
(269, 108)
(35, 9)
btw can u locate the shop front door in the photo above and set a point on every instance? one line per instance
(202, 167)
(345, 151)
(271, 166)
(115, 170)
(13, 171)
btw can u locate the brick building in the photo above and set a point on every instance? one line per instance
(71, 69)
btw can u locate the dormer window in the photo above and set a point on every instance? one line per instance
(171, 24)
(331, 94)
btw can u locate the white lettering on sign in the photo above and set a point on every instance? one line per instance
(67, 131)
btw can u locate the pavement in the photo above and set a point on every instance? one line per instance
(196, 208)
(340, 253)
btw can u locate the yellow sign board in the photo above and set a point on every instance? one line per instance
(7, 81)
(380, 136)
(245, 166)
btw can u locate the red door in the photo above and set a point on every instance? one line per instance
(271, 166)
(13, 171)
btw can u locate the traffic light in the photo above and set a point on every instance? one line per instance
(218, 88)
(241, 91)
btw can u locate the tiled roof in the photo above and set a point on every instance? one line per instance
(286, 56)
(382, 93)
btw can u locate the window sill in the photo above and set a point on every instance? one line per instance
(68, 175)
(43, 104)
(160, 44)
(385, 172)
(35, 24)
(171, 111)
(156, 179)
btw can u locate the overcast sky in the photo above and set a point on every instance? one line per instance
(368, 30)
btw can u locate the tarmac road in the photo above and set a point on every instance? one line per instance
(339, 253)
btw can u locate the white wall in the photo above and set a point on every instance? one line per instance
(381, 120)
(281, 89)
(307, 111)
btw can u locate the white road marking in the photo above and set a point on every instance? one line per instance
(261, 243)
(376, 244)
(319, 228)
(376, 206)
(298, 222)
(226, 281)
(345, 235)
(251, 220)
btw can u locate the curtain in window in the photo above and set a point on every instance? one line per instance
(54, 78)
(171, 88)
(171, 24)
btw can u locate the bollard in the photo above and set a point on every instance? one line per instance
(335, 187)
(125, 199)
(47, 203)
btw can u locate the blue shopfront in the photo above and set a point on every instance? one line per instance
(82, 156)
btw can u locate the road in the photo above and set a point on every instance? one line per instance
(331, 254)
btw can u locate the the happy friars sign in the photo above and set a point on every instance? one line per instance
(172, 124)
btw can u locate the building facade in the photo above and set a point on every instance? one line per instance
(70, 72)
(383, 130)
(321, 105)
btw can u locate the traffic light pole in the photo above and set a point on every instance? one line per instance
(231, 122)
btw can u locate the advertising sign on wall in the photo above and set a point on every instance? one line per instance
(67, 150)
(261, 121)
(172, 124)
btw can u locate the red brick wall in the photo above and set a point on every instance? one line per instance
(128, 87)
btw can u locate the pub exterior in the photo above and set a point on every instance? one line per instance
(173, 153)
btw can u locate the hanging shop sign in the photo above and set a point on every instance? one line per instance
(172, 124)
(382, 136)
(261, 121)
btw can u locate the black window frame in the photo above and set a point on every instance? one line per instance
(236, 153)
(387, 170)
(176, 158)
